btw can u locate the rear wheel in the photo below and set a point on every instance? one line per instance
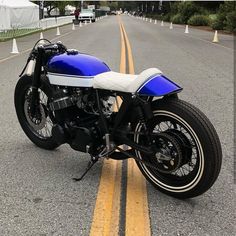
(188, 152)
(37, 127)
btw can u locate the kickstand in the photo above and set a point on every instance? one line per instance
(89, 166)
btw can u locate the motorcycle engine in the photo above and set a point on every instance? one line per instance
(77, 116)
(84, 99)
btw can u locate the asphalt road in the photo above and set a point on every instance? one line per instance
(37, 195)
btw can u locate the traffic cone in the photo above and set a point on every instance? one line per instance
(14, 47)
(155, 22)
(171, 25)
(41, 35)
(58, 31)
(73, 26)
(162, 23)
(80, 24)
(146, 19)
(186, 30)
(150, 20)
(215, 39)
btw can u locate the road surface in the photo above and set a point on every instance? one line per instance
(37, 194)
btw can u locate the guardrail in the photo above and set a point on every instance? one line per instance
(55, 21)
(19, 30)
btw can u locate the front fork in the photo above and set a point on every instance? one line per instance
(36, 81)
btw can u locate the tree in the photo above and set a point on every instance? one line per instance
(50, 5)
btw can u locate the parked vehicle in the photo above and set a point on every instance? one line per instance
(68, 97)
(87, 15)
(112, 13)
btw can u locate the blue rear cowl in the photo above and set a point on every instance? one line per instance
(78, 65)
(159, 86)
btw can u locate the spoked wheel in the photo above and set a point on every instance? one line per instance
(37, 126)
(188, 154)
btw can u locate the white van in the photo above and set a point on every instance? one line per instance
(87, 15)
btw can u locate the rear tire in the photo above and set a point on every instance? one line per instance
(205, 153)
(33, 131)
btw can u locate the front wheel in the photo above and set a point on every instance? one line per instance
(188, 154)
(37, 127)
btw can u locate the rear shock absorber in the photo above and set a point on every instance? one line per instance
(145, 113)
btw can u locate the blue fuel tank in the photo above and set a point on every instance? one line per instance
(76, 65)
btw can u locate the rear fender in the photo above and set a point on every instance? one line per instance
(159, 85)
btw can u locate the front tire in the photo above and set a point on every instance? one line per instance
(187, 134)
(38, 131)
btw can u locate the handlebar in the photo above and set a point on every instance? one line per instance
(58, 47)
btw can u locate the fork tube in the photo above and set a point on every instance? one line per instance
(36, 80)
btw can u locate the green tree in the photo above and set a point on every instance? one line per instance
(50, 5)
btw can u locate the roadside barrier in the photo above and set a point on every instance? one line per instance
(215, 39)
(162, 23)
(186, 29)
(14, 47)
(171, 25)
(55, 21)
(90, 21)
(150, 20)
(18, 29)
(155, 22)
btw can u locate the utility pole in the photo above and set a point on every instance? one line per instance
(41, 9)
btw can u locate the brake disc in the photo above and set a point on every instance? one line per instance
(169, 157)
(35, 123)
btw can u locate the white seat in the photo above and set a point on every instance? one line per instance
(123, 82)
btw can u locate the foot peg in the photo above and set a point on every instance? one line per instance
(89, 166)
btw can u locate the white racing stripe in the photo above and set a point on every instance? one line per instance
(69, 80)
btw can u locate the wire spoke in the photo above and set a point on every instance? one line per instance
(41, 124)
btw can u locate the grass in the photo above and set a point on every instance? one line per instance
(16, 33)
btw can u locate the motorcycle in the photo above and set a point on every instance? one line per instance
(64, 96)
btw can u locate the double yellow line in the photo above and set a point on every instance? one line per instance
(108, 215)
